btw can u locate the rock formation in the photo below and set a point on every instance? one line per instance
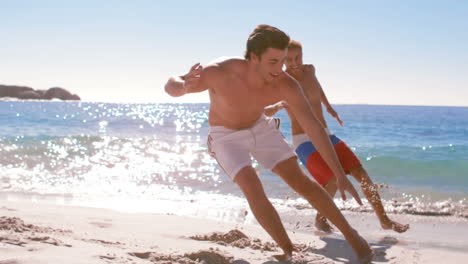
(24, 92)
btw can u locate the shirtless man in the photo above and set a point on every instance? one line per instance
(239, 91)
(305, 75)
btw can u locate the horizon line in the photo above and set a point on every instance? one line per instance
(7, 99)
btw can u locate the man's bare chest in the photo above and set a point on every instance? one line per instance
(238, 93)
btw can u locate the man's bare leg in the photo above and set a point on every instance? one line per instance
(321, 222)
(263, 210)
(372, 195)
(370, 191)
(293, 175)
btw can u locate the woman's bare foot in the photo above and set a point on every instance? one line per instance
(397, 227)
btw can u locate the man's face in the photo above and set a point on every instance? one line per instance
(270, 65)
(294, 60)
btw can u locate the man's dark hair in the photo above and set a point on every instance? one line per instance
(264, 37)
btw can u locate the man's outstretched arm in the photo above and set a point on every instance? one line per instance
(330, 109)
(192, 82)
(309, 68)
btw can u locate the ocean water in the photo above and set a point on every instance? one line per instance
(153, 158)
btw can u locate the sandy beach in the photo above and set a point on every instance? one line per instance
(36, 233)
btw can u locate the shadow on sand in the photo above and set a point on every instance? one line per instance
(339, 250)
(345, 254)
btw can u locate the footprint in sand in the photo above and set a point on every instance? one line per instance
(108, 257)
(9, 261)
(114, 259)
(49, 240)
(103, 242)
(13, 240)
(7, 209)
(101, 224)
(203, 256)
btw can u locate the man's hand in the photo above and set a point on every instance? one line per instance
(308, 68)
(192, 77)
(281, 105)
(273, 109)
(189, 83)
(344, 185)
(333, 113)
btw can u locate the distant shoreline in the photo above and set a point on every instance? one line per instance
(207, 103)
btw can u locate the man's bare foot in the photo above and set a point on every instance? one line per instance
(363, 251)
(322, 224)
(283, 257)
(368, 258)
(397, 227)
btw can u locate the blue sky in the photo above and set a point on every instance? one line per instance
(368, 52)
